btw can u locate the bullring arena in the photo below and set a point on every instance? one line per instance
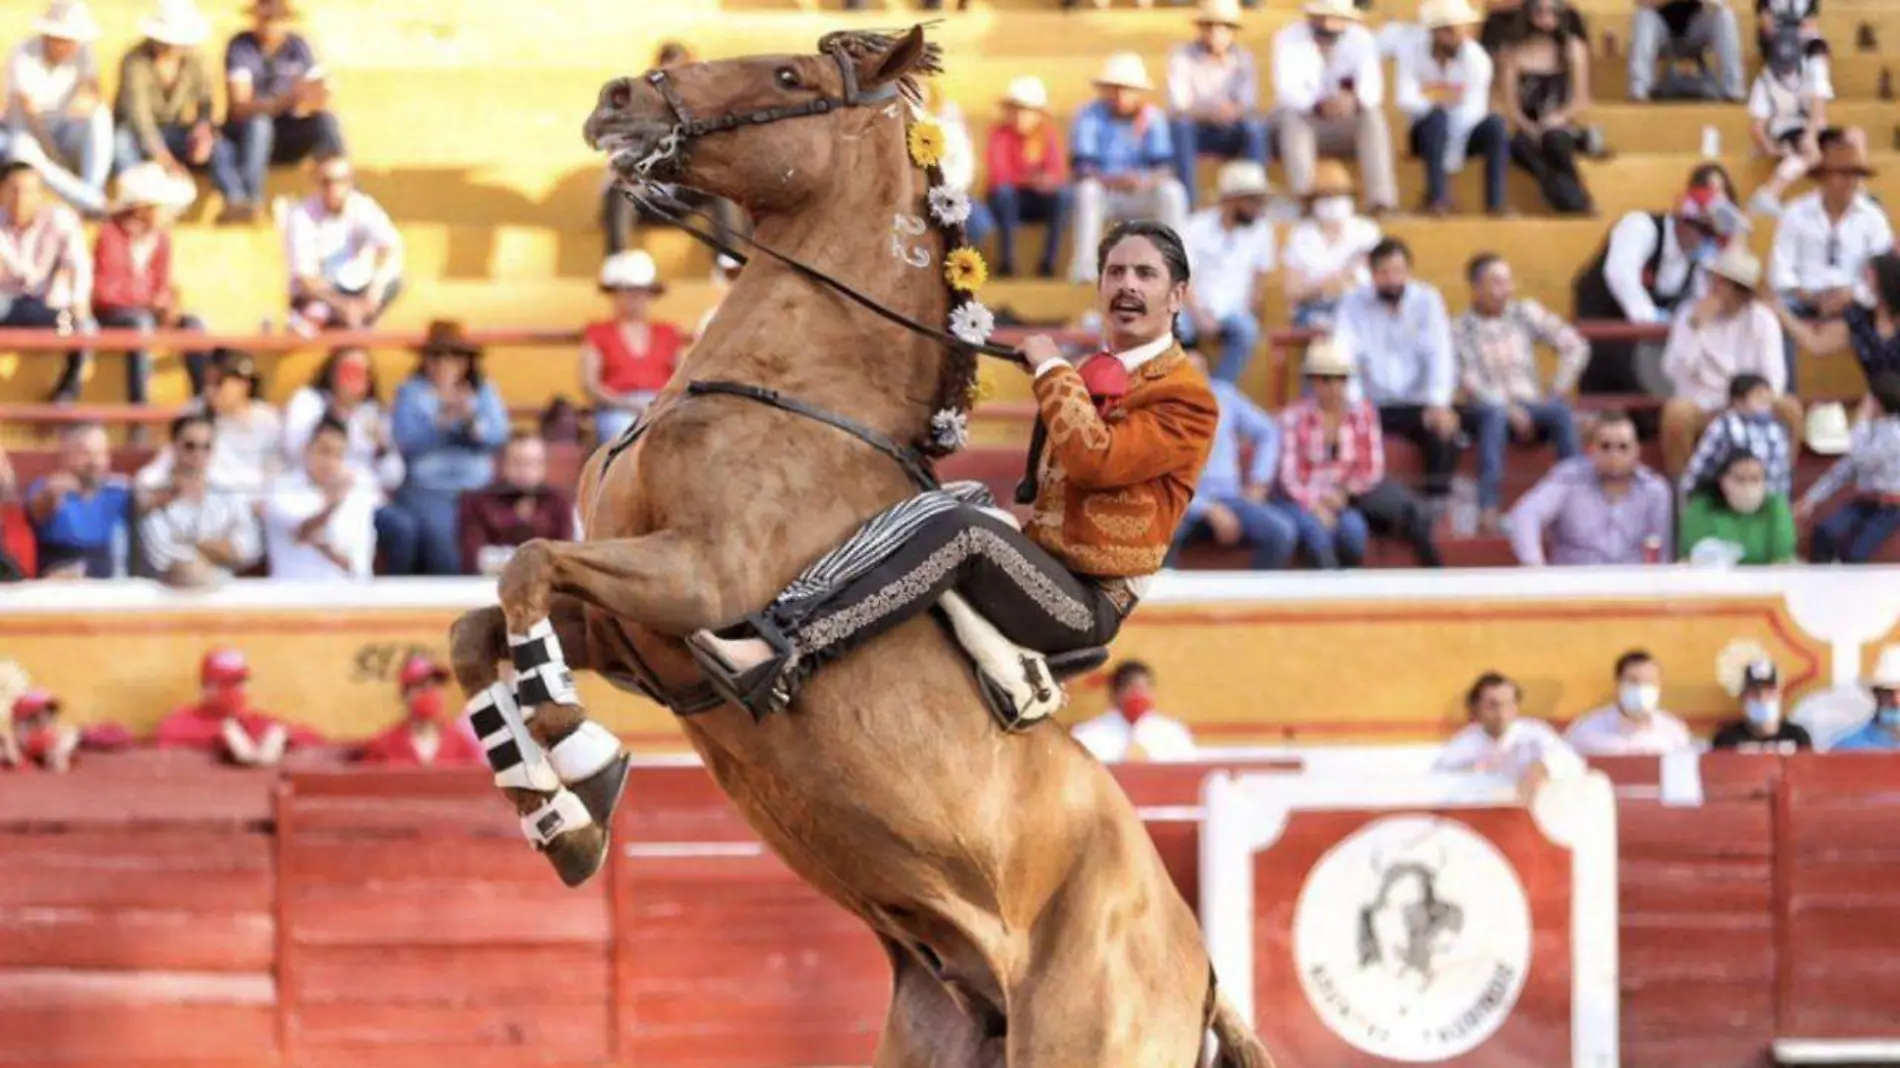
(161, 908)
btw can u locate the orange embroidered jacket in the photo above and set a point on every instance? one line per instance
(1110, 492)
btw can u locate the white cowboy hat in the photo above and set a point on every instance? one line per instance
(1125, 70)
(1241, 178)
(1027, 91)
(1327, 358)
(1886, 674)
(146, 184)
(1218, 13)
(1738, 265)
(1331, 9)
(633, 269)
(1827, 430)
(1438, 14)
(176, 22)
(68, 20)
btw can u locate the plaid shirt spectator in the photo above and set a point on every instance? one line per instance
(1310, 467)
(1873, 462)
(1766, 439)
(1497, 357)
(45, 258)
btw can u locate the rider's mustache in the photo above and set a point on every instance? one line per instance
(1129, 302)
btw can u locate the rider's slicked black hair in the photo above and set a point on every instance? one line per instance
(1164, 239)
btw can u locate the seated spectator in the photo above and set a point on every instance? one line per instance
(56, 119)
(1029, 175)
(1762, 728)
(344, 255)
(1230, 250)
(1685, 29)
(45, 275)
(1728, 332)
(1544, 88)
(1131, 729)
(1400, 337)
(1329, 99)
(958, 166)
(1788, 103)
(80, 512)
(132, 270)
(223, 722)
(1326, 251)
(1872, 333)
(1635, 722)
(1881, 733)
(423, 738)
(1332, 469)
(1647, 267)
(517, 507)
(620, 213)
(1502, 24)
(1732, 518)
(1443, 85)
(627, 360)
(1495, 342)
(1214, 95)
(1505, 745)
(448, 421)
(1228, 510)
(320, 522)
(191, 534)
(164, 108)
(345, 390)
(1825, 240)
(1123, 157)
(247, 451)
(38, 739)
(279, 98)
(1606, 508)
(18, 556)
(1856, 531)
(1751, 424)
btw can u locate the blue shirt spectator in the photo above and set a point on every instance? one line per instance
(1229, 509)
(448, 422)
(1112, 145)
(1872, 736)
(81, 511)
(1402, 347)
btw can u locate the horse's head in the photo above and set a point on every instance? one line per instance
(766, 131)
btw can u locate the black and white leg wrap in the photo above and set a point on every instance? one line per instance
(518, 761)
(542, 676)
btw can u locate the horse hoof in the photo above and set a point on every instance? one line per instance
(578, 854)
(601, 791)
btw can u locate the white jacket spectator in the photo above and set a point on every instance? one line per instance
(320, 522)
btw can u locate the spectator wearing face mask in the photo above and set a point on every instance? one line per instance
(1733, 519)
(223, 722)
(1882, 732)
(1857, 530)
(1230, 250)
(1131, 729)
(1762, 728)
(1503, 744)
(1728, 332)
(1604, 508)
(1634, 723)
(1326, 251)
(39, 740)
(1753, 423)
(422, 739)
(1788, 103)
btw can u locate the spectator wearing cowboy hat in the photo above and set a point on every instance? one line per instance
(1325, 252)
(344, 254)
(1214, 95)
(165, 101)
(449, 422)
(56, 120)
(1730, 331)
(223, 721)
(1029, 175)
(1825, 240)
(278, 94)
(1230, 249)
(1881, 732)
(627, 360)
(1855, 532)
(423, 738)
(1123, 154)
(1442, 83)
(1329, 97)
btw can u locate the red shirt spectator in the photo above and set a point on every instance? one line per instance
(625, 369)
(1032, 160)
(132, 272)
(422, 739)
(222, 721)
(1352, 463)
(40, 740)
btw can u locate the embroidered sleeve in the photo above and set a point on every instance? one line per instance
(1172, 435)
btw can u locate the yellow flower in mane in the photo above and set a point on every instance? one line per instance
(926, 143)
(965, 270)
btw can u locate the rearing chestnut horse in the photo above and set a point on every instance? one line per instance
(1028, 918)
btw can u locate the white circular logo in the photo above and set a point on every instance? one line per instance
(1412, 937)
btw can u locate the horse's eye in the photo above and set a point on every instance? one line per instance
(787, 78)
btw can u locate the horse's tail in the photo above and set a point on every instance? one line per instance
(1236, 1045)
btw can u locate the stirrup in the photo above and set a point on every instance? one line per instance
(761, 689)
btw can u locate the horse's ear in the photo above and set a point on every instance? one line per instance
(911, 55)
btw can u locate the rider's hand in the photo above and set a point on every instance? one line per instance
(1039, 351)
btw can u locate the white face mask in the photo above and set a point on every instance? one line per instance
(1332, 209)
(1763, 712)
(1638, 699)
(1747, 500)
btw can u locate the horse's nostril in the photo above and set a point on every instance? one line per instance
(619, 95)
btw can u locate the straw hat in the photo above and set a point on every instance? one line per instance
(1242, 178)
(633, 269)
(1438, 14)
(1125, 70)
(1738, 265)
(1843, 156)
(1886, 674)
(1218, 13)
(150, 185)
(277, 9)
(1027, 91)
(1331, 9)
(1331, 179)
(177, 23)
(1827, 430)
(1327, 358)
(68, 20)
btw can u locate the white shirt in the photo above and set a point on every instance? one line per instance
(1309, 254)
(341, 249)
(1787, 107)
(49, 88)
(305, 411)
(1462, 87)
(1608, 732)
(1632, 243)
(1111, 737)
(1700, 360)
(1525, 744)
(1226, 263)
(170, 535)
(1302, 77)
(245, 455)
(1805, 236)
(351, 530)
(959, 152)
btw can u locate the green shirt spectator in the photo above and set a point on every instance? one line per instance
(1733, 518)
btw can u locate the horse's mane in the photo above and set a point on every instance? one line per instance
(859, 44)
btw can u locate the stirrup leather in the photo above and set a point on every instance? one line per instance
(761, 689)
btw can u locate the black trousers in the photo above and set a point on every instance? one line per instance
(1393, 511)
(1028, 594)
(1552, 159)
(1441, 454)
